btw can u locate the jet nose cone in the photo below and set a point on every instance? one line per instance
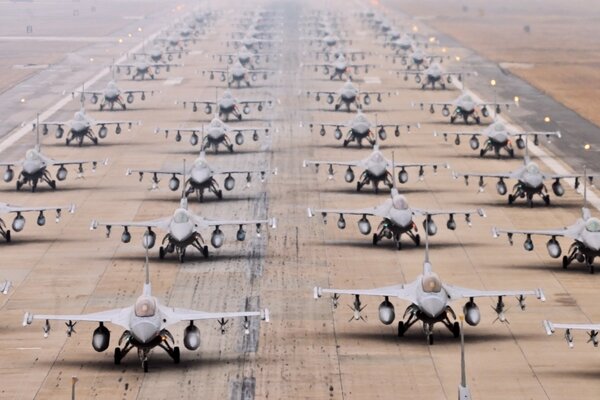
(200, 176)
(144, 331)
(534, 180)
(432, 306)
(180, 232)
(31, 167)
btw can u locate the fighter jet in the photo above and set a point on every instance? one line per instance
(530, 181)
(433, 74)
(238, 74)
(244, 57)
(228, 105)
(145, 324)
(215, 134)
(175, 41)
(429, 300)
(139, 69)
(465, 107)
(348, 95)
(19, 222)
(418, 59)
(80, 127)
(497, 136)
(585, 234)
(329, 41)
(183, 229)
(376, 169)
(593, 329)
(156, 54)
(112, 95)
(397, 219)
(337, 52)
(339, 68)
(202, 177)
(251, 44)
(360, 128)
(34, 169)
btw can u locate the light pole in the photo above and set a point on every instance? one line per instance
(493, 83)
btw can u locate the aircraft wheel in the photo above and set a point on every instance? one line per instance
(19, 185)
(511, 199)
(565, 262)
(7, 236)
(337, 107)
(430, 339)
(182, 255)
(145, 365)
(418, 240)
(230, 147)
(477, 120)
(452, 119)
(511, 153)
(53, 184)
(205, 251)
(547, 199)
(346, 143)
(220, 194)
(239, 117)
(117, 355)
(176, 355)
(375, 239)
(481, 153)
(161, 253)
(456, 329)
(401, 328)
(95, 140)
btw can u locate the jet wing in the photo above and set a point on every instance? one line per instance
(7, 208)
(593, 329)
(94, 163)
(205, 223)
(357, 163)
(405, 292)
(375, 211)
(570, 232)
(466, 213)
(117, 316)
(162, 223)
(128, 92)
(175, 315)
(128, 123)
(457, 292)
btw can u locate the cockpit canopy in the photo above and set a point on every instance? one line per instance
(467, 97)
(79, 116)
(31, 155)
(361, 118)
(377, 157)
(348, 85)
(227, 94)
(592, 225)
(112, 85)
(499, 127)
(200, 163)
(145, 306)
(216, 123)
(181, 216)
(431, 283)
(532, 168)
(399, 202)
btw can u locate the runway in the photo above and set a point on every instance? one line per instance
(308, 350)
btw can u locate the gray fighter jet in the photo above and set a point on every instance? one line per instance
(397, 219)
(81, 127)
(146, 325)
(215, 134)
(465, 107)
(238, 74)
(247, 58)
(332, 54)
(112, 95)
(156, 54)
(497, 136)
(585, 234)
(360, 128)
(376, 168)
(139, 69)
(229, 105)
(200, 177)
(349, 95)
(433, 74)
(183, 229)
(418, 59)
(34, 169)
(530, 182)
(592, 329)
(250, 43)
(19, 222)
(340, 68)
(429, 300)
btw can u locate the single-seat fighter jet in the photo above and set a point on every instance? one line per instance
(418, 59)
(585, 234)
(200, 177)
(183, 229)
(433, 74)
(397, 219)
(112, 95)
(348, 95)
(340, 68)
(376, 169)
(228, 105)
(247, 58)
(156, 54)
(216, 133)
(429, 300)
(19, 221)
(238, 74)
(34, 169)
(497, 136)
(146, 325)
(465, 107)
(530, 182)
(81, 127)
(360, 128)
(141, 68)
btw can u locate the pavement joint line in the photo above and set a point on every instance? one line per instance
(12, 138)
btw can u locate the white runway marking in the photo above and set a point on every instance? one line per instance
(372, 80)
(89, 39)
(173, 81)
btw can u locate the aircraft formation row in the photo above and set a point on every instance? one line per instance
(258, 47)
